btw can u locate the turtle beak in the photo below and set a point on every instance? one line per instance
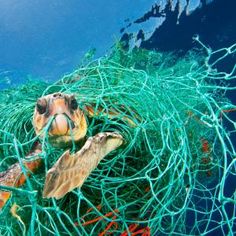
(61, 125)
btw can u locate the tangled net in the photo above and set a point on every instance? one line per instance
(170, 178)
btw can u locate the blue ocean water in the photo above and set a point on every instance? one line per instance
(47, 39)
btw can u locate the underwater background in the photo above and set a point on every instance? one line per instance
(46, 40)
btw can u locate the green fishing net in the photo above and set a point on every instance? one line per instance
(169, 178)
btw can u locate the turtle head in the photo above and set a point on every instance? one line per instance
(59, 116)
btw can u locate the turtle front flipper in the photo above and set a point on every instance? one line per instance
(14, 176)
(127, 116)
(71, 170)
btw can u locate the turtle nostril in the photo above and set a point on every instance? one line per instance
(55, 95)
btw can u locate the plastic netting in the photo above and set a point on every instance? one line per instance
(170, 176)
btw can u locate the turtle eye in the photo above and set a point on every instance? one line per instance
(41, 107)
(73, 104)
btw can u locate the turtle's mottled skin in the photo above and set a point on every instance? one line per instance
(58, 116)
(68, 120)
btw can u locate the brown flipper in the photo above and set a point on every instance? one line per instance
(71, 171)
(111, 114)
(14, 176)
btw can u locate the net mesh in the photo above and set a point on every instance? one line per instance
(170, 177)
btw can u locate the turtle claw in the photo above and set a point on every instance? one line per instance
(71, 170)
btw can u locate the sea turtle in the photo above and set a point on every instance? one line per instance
(58, 116)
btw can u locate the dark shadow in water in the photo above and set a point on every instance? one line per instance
(215, 23)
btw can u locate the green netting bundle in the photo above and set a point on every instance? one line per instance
(168, 179)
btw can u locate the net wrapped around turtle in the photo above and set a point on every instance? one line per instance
(168, 179)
